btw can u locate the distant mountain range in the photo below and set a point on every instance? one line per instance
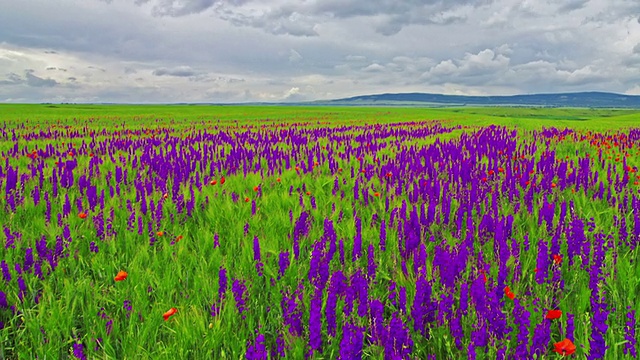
(579, 99)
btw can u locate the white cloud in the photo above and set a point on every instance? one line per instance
(633, 91)
(373, 68)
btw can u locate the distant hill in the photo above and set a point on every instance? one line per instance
(580, 99)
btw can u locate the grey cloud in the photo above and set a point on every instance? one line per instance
(357, 58)
(353, 8)
(301, 18)
(35, 81)
(335, 44)
(181, 8)
(12, 79)
(294, 56)
(624, 9)
(541, 74)
(96, 68)
(176, 8)
(217, 80)
(394, 16)
(275, 23)
(572, 5)
(180, 71)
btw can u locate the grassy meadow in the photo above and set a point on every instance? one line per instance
(263, 232)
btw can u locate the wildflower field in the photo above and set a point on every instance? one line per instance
(230, 232)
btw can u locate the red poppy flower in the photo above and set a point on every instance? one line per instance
(160, 233)
(222, 180)
(246, 199)
(121, 275)
(82, 215)
(553, 314)
(557, 259)
(179, 238)
(256, 188)
(509, 293)
(500, 169)
(564, 347)
(376, 194)
(491, 172)
(278, 179)
(169, 313)
(213, 182)
(553, 185)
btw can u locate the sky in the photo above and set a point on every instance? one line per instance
(230, 51)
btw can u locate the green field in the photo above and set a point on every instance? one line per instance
(319, 232)
(528, 118)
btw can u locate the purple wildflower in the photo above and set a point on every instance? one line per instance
(109, 326)
(283, 263)
(371, 263)
(630, 334)
(6, 274)
(216, 241)
(126, 305)
(398, 343)
(315, 323)
(238, 288)
(28, 259)
(222, 283)
(257, 351)
(78, 351)
(352, 342)
(3, 300)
